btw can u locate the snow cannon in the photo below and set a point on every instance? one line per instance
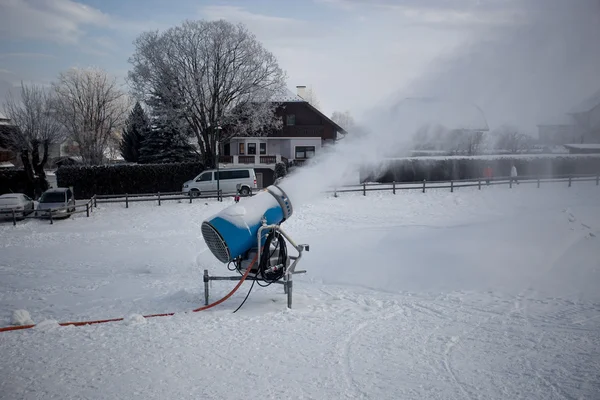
(233, 231)
(248, 234)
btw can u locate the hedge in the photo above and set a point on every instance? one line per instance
(126, 178)
(416, 169)
(13, 180)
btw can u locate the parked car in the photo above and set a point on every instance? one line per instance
(20, 203)
(60, 200)
(230, 180)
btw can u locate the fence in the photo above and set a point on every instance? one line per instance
(452, 185)
(160, 197)
(92, 203)
(52, 213)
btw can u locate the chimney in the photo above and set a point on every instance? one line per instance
(301, 91)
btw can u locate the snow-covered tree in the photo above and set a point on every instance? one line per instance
(136, 129)
(36, 129)
(167, 140)
(213, 73)
(91, 106)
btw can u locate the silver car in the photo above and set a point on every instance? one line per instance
(19, 203)
(60, 200)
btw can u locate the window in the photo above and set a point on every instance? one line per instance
(263, 149)
(242, 149)
(252, 148)
(53, 197)
(291, 120)
(303, 152)
(205, 177)
(233, 174)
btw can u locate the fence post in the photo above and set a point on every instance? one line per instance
(159, 198)
(87, 209)
(538, 182)
(335, 192)
(451, 186)
(190, 194)
(479, 184)
(597, 179)
(394, 187)
(14, 217)
(569, 180)
(424, 180)
(364, 189)
(126, 200)
(51, 220)
(510, 182)
(95, 201)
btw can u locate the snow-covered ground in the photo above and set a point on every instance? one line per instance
(489, 294)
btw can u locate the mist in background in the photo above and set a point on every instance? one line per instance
(534, 67)
(531, 64)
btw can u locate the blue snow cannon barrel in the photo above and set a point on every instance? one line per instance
(233, 231)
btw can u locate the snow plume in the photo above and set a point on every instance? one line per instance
(521, 71)
(528, 70)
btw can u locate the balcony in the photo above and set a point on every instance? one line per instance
(258, 160)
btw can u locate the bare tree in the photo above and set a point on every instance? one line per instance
(91, 106)
(214, 75)
(36, 129)
(310, 96)
(343, 119)
(509, 138)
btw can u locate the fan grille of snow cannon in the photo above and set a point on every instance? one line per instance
(215, 242)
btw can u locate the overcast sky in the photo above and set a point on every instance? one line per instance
(356, 54)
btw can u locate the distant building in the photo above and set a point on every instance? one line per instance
(580, 125)
(305, 131)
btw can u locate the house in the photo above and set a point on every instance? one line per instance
(586, 116)
(580, 125)
(305, 131)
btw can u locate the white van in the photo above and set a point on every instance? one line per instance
(230, 179)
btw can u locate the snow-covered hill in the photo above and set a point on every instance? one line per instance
(474, 294)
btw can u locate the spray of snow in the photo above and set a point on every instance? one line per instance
(536, 65)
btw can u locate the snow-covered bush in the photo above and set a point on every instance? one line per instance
(280, 171)
(127, 178)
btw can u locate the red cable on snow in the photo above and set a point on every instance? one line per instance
(102, 321)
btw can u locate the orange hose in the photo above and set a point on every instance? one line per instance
(102, 321)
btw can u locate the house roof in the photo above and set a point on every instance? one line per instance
(287, 96)
(587, 105)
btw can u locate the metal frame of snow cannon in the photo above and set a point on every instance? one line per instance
(289, 270)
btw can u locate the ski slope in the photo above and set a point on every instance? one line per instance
(489, 294)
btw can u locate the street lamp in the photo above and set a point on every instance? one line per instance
(219, 197)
